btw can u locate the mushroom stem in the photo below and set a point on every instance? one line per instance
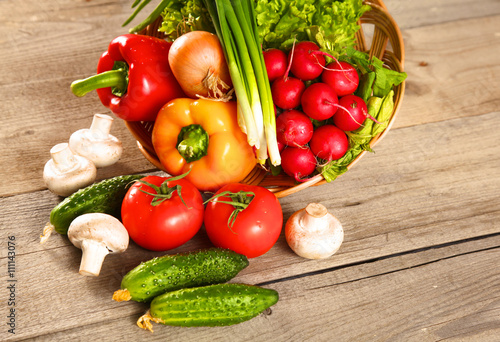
(101, 126)
(93, 254)
(64, 159)
(313, 218)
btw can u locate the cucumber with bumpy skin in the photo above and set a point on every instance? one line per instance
(102, 197)
(213, 305)
(173, 272)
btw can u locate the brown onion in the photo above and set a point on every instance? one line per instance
(198, 63)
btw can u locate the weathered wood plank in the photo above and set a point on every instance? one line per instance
(410, 297)
(429, 12)
(452, 71)
(452, 298)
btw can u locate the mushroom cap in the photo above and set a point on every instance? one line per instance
(100, 228)
(101, 151)
(314, 233)
(65, 172)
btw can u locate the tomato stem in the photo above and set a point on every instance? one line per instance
(239, 200)
(164, 191)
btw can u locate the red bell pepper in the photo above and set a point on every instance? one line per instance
(133, 78)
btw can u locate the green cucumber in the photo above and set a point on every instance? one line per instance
(177, 271)
(102, 197)
(213, 305)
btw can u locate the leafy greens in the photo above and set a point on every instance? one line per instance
(331, 24)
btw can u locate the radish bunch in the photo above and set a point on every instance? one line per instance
(316, 106)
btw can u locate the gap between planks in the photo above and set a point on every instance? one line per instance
(379, 267)
(412, 258)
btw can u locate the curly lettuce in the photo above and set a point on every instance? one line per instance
(184, 16)
(331, 24)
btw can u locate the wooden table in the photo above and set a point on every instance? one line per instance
(420, 259)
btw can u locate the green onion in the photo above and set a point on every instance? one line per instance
(236, 28)
(140, 4)
(236, 70)
(269, 111)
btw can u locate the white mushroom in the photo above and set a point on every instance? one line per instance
(97, 235)
(313, 232)
(66, 172)
(96, 144)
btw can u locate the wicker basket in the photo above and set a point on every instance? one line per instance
(386, 44)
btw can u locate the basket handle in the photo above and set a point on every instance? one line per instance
(386, 32)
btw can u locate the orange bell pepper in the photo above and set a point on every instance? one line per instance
(202, 136)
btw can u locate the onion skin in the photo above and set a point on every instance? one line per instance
(198, 63)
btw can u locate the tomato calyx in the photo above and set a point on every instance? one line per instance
(239, 200)
(164, 192)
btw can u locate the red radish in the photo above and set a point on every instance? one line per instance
(298, 162)
(329, 143)
(351, 114)
(276, 63)
(305, 63)
(293, 128)
(287, 91)
(281, 146)
(342, 77)
(319, 101)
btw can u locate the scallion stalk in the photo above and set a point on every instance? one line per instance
(243, 55)
(246, 14)
(236, 26)
(249, 53)
(236, 70)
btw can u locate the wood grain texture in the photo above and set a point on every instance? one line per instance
(431, 295)
(421, 214)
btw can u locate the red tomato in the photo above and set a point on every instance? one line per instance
(168, 224)
(255, 229)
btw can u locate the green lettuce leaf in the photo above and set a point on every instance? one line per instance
(184, 16)
(385, 79)
(331, 24)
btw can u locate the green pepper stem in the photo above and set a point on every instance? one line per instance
(111, 78)
(192, 143)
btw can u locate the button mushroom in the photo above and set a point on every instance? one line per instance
(96, 144)
(97, 235)
(66, 172)
(313, 232)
